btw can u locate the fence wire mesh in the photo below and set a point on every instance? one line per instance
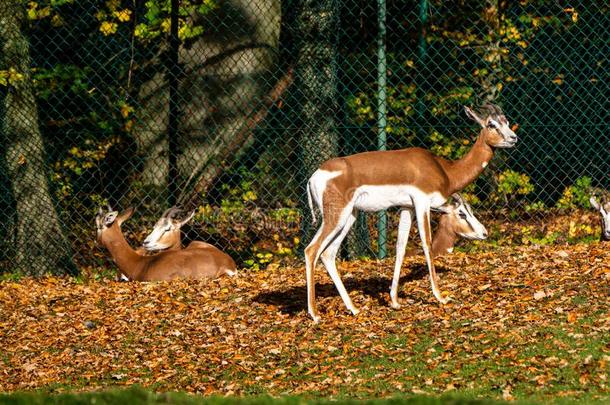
(228, 106)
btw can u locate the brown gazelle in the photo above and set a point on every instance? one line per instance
(411, 178)
(457, 221)
(172, 264)
(166, 235)
(603, 207)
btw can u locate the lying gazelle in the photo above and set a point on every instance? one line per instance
(411, 178)
(604, 210)
(166, 235)
(168, 265)
(457, 220)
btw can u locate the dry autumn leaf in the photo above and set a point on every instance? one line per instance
(253, 333)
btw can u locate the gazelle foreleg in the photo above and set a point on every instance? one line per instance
(329, 259)
(422, 212)
(404, 228)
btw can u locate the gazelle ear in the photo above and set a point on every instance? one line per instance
(457, 200)
(124, 216)
(595, 204)
(474, 116)
(110, 218)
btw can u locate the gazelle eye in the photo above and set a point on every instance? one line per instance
(462, 215)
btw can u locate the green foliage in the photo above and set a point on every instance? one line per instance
(156, 22)
(76, 162)
(537, 206)
(448, 147)
(11, 276)
(512, 185)
(445, 104)
(260, 236)
(259, 260)
(400, 99)
(532, 235)
(62, 78)
(577, 195)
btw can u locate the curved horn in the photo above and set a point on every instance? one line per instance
(166, 212)
(493, 109)
(174, 212)
(486, 110)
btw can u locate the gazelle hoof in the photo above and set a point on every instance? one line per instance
(355, 311)
(395, 305)
(315, 317)
(444, 300)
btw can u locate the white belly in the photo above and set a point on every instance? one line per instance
(376, 198)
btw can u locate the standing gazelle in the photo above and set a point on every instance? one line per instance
(411, 178)
(603, 206)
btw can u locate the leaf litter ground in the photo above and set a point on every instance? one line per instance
(525, 322)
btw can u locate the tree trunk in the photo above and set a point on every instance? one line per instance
(225, 77)
(40, 245)
(316, 80)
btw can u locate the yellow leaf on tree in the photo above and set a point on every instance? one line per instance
(123, 15)
(126, 109)
(558, 80)
(108, 28)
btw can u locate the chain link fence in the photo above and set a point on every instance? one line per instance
(228, 106)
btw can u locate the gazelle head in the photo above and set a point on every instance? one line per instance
(496, 131)
(460, 220)
(104, 221)
(166, 232)
(603, 206)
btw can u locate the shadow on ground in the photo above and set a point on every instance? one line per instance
(294, 299)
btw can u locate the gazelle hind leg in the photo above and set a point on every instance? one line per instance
(332, 224)
(404, 228)
(311, 252)
(319, 243)
(422, 212)
(329, 259)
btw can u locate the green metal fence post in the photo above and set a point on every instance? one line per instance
(172, 130)
(381, 115)
(420, 107)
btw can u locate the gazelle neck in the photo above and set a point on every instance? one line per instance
(126, 259)
(464, 171)
(175, 242)
(443, 240)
